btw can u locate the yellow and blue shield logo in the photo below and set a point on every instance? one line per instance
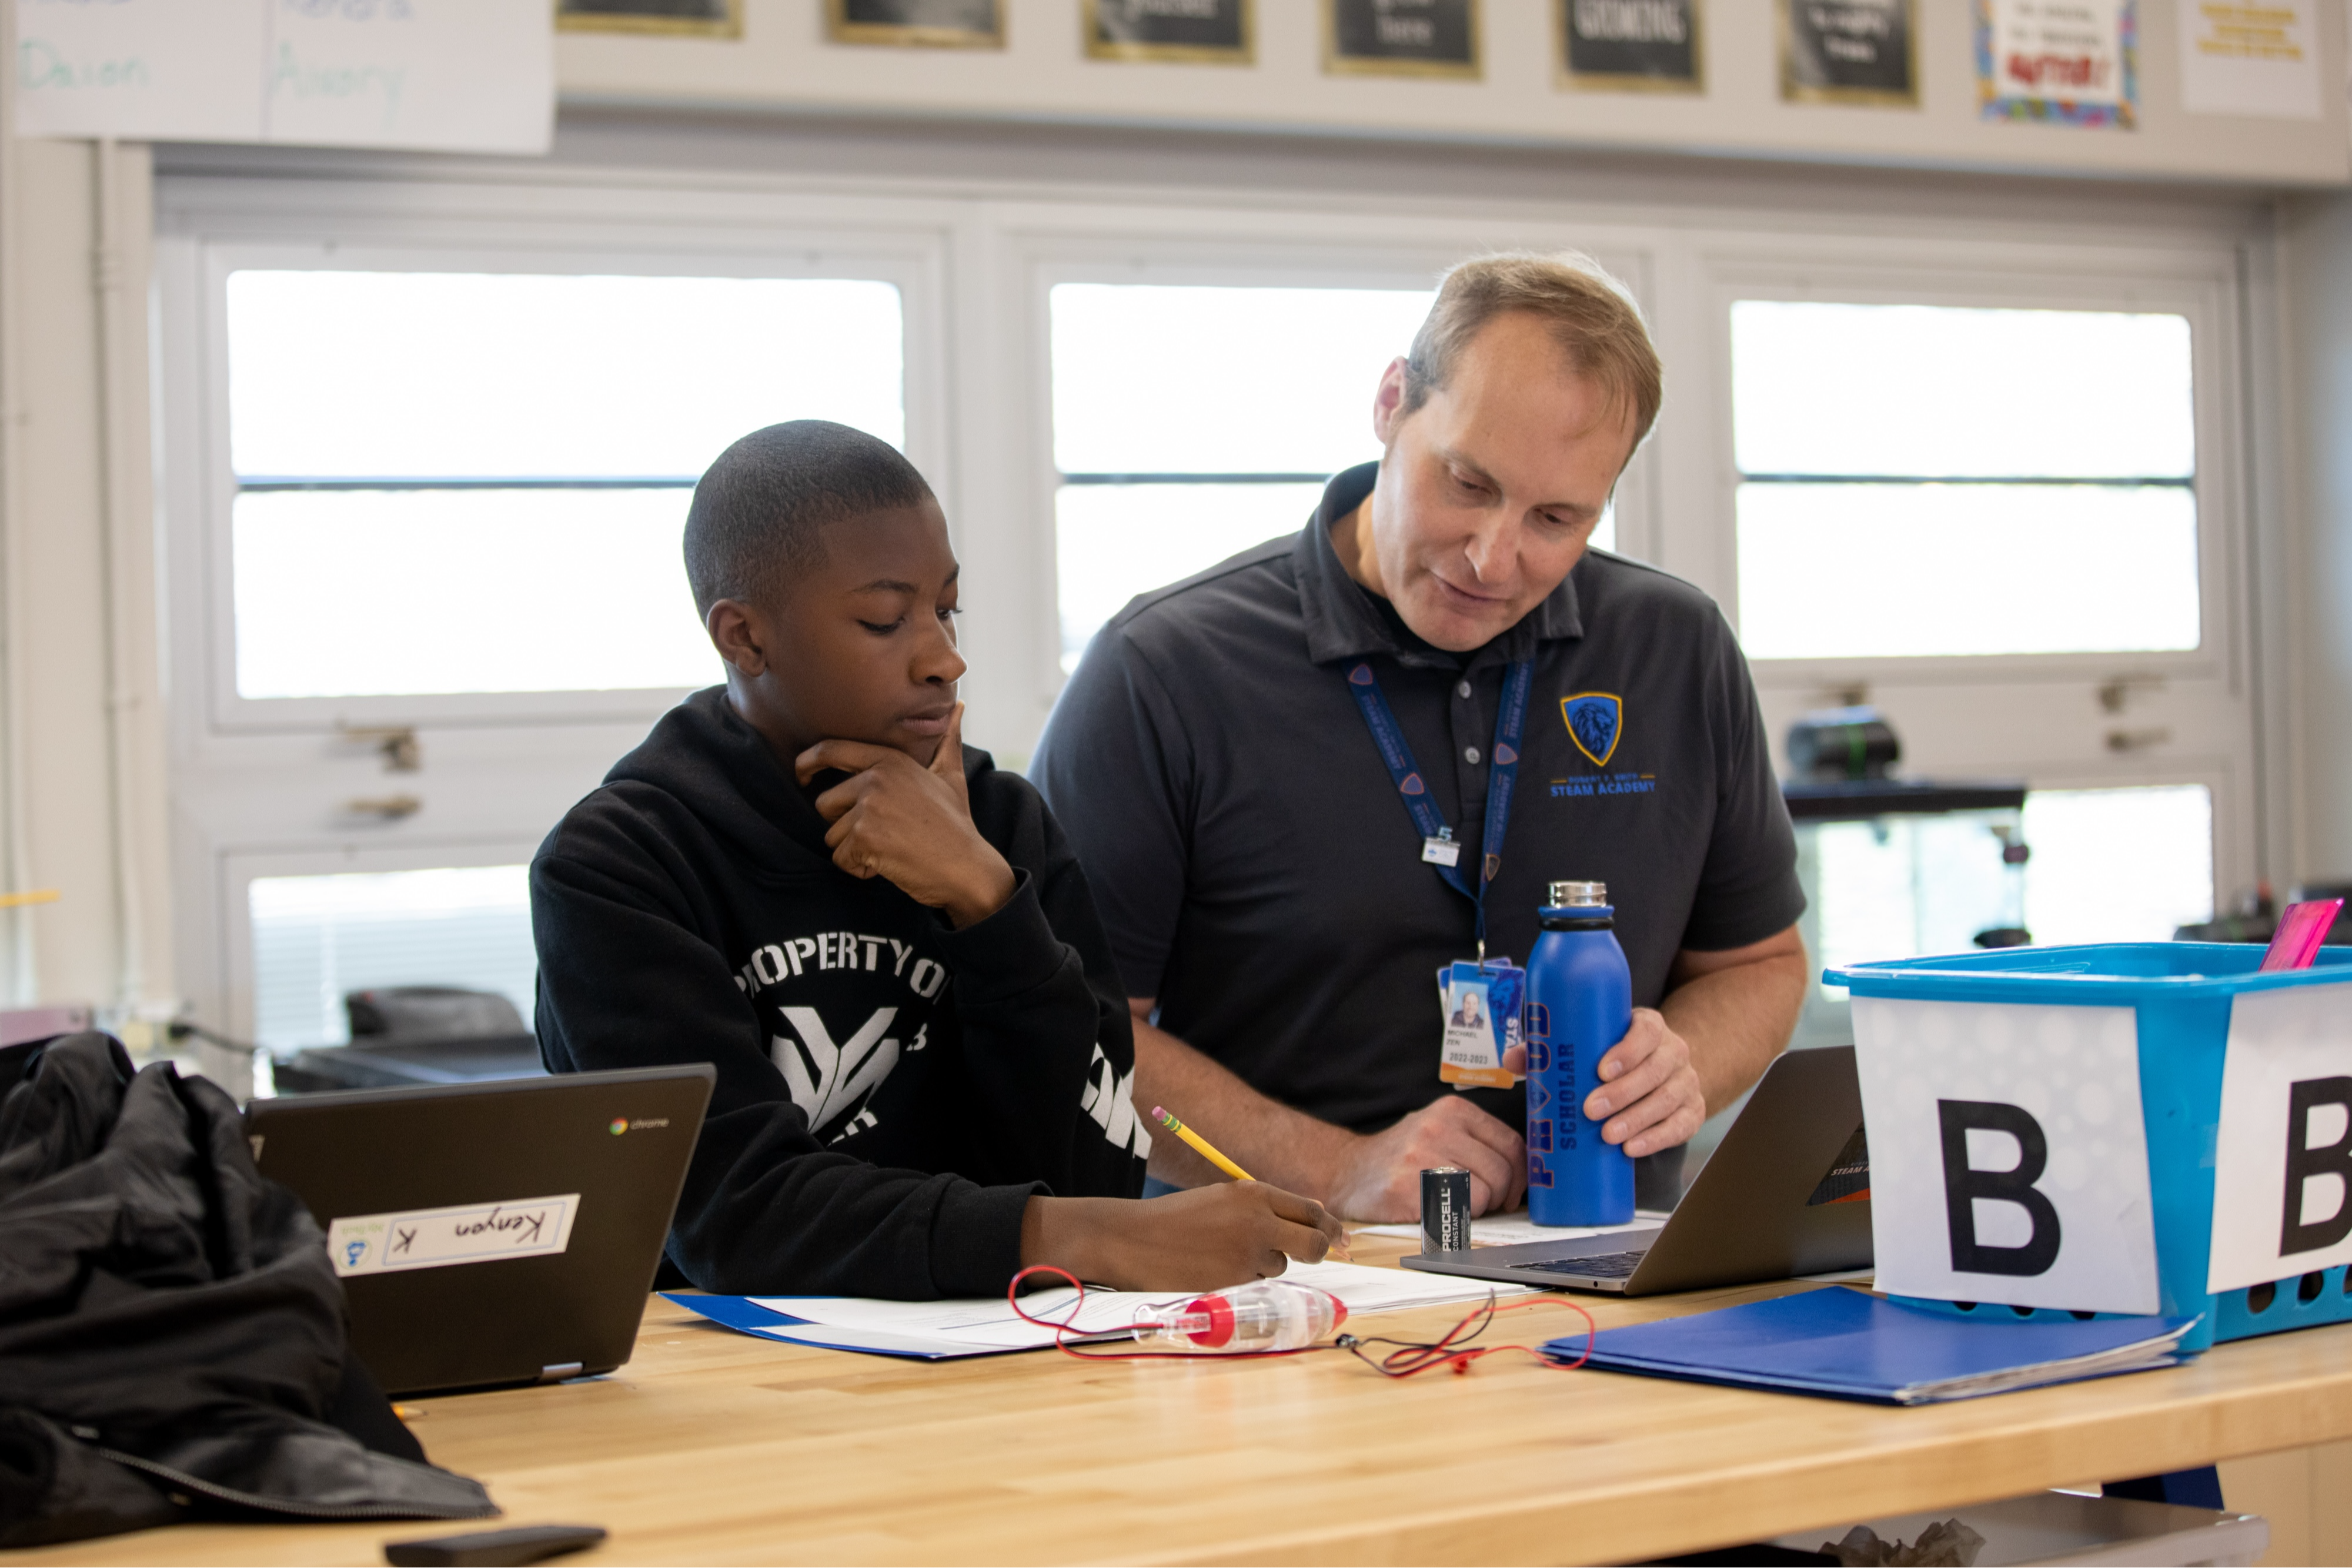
(1595, 721)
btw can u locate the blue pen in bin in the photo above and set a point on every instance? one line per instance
(2003, 1156)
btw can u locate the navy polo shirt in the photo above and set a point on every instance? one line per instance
(1257, 870)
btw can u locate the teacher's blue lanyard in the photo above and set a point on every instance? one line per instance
(1502, 775)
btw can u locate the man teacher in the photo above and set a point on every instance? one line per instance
(1267, 768)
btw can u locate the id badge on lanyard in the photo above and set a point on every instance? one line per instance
(1478, 999)
(1479, 1003)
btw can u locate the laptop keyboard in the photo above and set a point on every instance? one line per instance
(1606, 1266)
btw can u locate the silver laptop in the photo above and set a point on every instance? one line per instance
(1786, 1193)
(492, 1233)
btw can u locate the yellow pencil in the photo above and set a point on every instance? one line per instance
(38, 896)
(1208, 1153)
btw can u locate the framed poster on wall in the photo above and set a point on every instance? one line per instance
(2259, 57)
(923, 24)
(1401, 38)
(691, 19)
(2072, 64)
(1194, 33)
(1850, 51)
(1609, 46)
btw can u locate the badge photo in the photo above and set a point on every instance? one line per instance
(1478, 1005)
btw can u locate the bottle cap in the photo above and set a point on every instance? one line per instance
(1578, 894)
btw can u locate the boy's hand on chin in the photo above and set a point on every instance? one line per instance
(894, 818)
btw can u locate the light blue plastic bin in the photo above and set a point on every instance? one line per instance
(2182, 993)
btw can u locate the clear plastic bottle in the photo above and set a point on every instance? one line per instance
(1264, 1314)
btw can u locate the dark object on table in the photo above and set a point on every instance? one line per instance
(417, 1034)
(2257, 919)
(1848, 743)
(1861, 800)
(2004, 936)
(558, 1191)
(429, 1012)
(493, 1548)
(171, 1343)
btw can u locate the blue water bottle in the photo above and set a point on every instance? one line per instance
(1580, 1003)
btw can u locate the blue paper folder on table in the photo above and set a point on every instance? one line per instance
(1847, 1345)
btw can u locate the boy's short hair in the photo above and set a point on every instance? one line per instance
(760, 511)
(1589, 314)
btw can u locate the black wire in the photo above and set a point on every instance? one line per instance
(1419, 1355)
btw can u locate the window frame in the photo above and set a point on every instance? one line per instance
(239, 869)
(1262, 260)
(2194, 283)
(201, 507)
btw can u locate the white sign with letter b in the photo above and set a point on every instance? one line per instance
(2282, 1163)
(2008, 1159)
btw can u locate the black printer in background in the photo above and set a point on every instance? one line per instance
(404, 1035)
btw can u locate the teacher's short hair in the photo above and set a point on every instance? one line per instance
(1590, 314)
(760, 511)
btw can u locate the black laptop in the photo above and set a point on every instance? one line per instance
(1786, 1193)
(492, 1233)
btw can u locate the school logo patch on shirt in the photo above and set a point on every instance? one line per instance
(1595, 721)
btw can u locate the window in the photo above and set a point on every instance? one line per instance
(315, 938)
(2118, 865)
(1920, 480)
(1191, 422)
(442, 478)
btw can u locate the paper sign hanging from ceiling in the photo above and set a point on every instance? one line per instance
(2007, 1153)
(460, 75)
(2260, 58)
(2061, 62)
(2283, 1161)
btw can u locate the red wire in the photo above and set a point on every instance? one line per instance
(1403, 1362)
(1410, 1358)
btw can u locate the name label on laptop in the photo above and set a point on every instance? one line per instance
(2283, 1166)
(2008, 1156)
(443, 1238)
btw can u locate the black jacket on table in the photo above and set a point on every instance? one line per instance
(891, 1090)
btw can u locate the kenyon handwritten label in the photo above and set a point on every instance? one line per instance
(443, 1237)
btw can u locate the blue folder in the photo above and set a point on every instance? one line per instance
(1848, 1344)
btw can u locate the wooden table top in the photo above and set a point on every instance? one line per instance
(715, 1446)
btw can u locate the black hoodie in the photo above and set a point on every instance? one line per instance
(891, 1090)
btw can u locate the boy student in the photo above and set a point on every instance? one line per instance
(883, 943)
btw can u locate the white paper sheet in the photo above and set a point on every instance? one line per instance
(141, 69)
(449, 75)
(1510, 1229)
(2250, 57)
(972, 1326)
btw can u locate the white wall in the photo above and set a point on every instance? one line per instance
(2317, 235)
(83, 684)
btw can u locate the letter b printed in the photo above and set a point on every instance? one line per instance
(1964, 1184)
(2304, 1163)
